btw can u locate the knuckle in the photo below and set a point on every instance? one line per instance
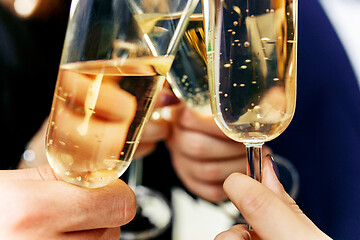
(46, 173)
(28, 216)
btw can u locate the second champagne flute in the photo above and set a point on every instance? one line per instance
(108, 81)
(189, 80)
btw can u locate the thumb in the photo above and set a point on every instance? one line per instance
(270, 180)
(266, 213)
(43, 173)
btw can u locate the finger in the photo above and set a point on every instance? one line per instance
(201, 145)
(263, 210)
(67, 136)
(144, 149)
(270, 180)
(110, 93)
(72, 208)
(96, 234)
(213, 170)
(191, 120)
(155, 131)
(210, 191)
(110, 206)
(237, 232)
(44, 172)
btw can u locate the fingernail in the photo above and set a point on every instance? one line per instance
(247, 236)
(274, 165)
(169, 99)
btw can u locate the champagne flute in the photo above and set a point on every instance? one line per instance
(189, 81)
(112, 69)
(252, 70)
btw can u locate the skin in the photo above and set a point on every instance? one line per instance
(201, 166)
(269, 210)
(36, 205)
(190, 136)
(203, 169)
(202, 155)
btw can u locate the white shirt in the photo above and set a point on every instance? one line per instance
(345, 17)
(197, 219)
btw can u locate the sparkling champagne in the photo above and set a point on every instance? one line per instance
(98, 115)
(252, 64)
(188, 75)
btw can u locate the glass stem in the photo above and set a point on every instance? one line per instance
(254, 156)
(135, 173)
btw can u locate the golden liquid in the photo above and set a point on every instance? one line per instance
(157, 26)
(188, 74)
(252, 67)
(98, 115)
